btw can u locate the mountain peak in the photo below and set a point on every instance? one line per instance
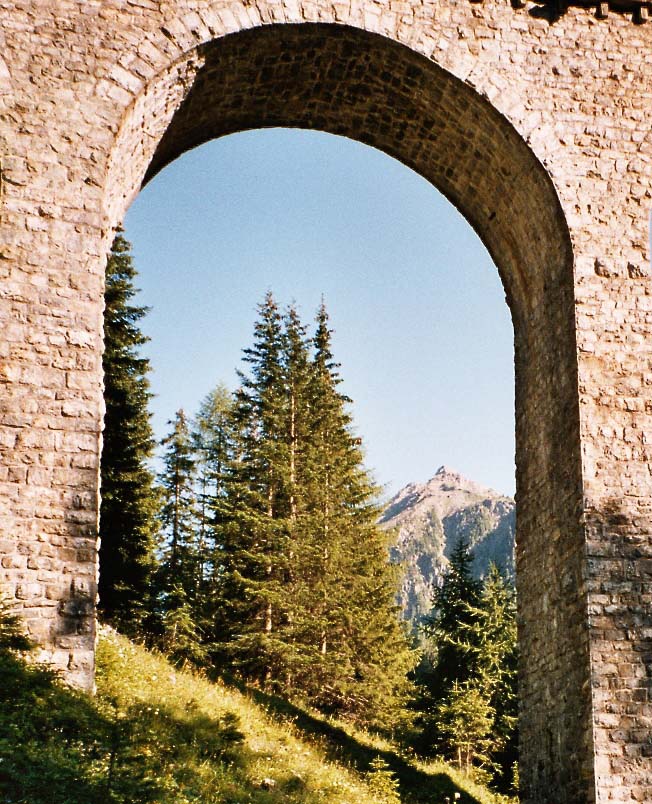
(445, 470)
(448, 479)
(447, 491)
(447, 473)
(430, 518)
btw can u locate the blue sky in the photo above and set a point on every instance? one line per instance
(421, 326)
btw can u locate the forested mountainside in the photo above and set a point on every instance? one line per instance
(431, 518)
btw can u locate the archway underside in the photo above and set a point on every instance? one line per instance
(368, 88)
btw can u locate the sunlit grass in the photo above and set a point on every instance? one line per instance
(273, 764)
(300, 755)
(157, 734)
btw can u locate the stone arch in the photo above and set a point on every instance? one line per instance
(97, 82)
(367, 87)
(348, 81)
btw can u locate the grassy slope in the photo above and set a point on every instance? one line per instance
(155, 734)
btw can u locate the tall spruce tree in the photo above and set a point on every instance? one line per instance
(179, 510)
(179, 580)
(489, 640)
(297, 373)
(445, 662)
(472, 697)
(254, 518)
(212, 433)
(128, 512)
(307, 580)
(362, 656)
(212, 440)
(454, 613)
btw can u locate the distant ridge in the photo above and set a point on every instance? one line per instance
(431, 518)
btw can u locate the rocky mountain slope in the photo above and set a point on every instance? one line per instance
(431, 518)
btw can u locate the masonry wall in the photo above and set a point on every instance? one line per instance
(538, 128)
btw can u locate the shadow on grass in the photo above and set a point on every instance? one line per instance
(416, 786)
(60, 746)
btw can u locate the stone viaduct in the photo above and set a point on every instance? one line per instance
(534, 119)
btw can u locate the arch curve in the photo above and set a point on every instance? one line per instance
(348, 81)
(367, 87)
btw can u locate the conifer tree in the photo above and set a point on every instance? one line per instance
(179, 512)
(181, 638)
(383, 782)
(12, 629)
(295, 432)
(306, 588)
(307, 584)
(445, 661)
(465, 719)
(254, 519)
(363, 654)
(490, 642)
(472, 693)
(129, 505)
(212, 440)
(178, 578)
(454, 612)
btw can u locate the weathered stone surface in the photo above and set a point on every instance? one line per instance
(536, 126)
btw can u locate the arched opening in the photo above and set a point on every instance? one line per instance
(366, 87)
(418, 309)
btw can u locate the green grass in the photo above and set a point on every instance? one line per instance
(420, 782)
(156, 734)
